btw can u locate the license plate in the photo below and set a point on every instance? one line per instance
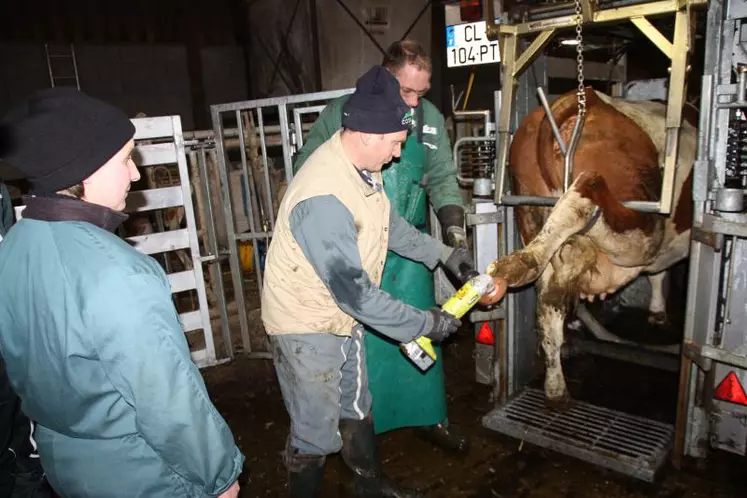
(468, 45)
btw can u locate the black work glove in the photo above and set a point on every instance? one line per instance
(452, 225)
(439, 325)
(460, 264)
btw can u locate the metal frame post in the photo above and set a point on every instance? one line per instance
(213, 258)
(714, 329)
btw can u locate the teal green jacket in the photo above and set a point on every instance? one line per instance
(441, 186)
(94, 348)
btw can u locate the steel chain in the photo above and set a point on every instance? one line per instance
(580, 94)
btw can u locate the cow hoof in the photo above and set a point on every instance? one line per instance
(559, 403)
(519, 268)
(658, 319)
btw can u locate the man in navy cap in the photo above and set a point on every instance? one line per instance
(324, 266)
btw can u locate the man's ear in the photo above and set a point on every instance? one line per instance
(366, 138)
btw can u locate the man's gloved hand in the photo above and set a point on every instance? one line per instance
(460, 264)
(439, 325)
(452, 225)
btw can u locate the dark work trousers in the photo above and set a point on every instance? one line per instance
(21, 474)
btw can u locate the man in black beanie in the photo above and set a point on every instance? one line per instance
(322, 272)
(91, 340)
(423, 177)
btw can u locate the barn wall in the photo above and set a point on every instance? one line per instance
(22, 70)
(345, 50)
(282, 47)
(153, 79)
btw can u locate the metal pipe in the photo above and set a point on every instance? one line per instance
(297, 129)
(275, 101)
(247, 177)
(491, 28)
(251, 195)
(601, 333)
(503, 126)
(233, 256)
(551, 119)
(727, 293)
(304, 126)
(234, 132)
(535, 200)
(681, 422)
(741, 90)
(285, 139)
(253, 236)
(216, 275)
(568, 160)
(546, 9)
(263, 143)
(624, 352)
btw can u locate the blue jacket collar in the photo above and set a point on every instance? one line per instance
(55, 207)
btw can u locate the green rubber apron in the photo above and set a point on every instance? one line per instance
(403, 396)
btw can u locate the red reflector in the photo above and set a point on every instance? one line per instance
(485, 335)
(470, 10)
(731, 390)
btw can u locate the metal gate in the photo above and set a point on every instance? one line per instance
(159, 141)
(256, 142)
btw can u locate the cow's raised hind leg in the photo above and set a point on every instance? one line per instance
(628, 238)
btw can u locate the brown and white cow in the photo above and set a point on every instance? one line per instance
(589, 244)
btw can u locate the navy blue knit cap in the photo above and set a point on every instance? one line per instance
(58, 137)
(376, 106)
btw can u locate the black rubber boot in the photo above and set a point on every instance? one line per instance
(443, 437)
(305, 474)
(360, 453)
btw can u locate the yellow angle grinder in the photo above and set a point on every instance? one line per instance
(420, 351)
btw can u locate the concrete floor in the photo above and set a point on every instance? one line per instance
(247, 394)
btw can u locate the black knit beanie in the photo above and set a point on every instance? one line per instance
(58, 137)
(376, 106)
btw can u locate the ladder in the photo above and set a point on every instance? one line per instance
(62, 65)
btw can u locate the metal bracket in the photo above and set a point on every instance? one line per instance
(704, 356)
(484, 218)
(711, 239)
(498, 313)
(717, 225)
(692, 352)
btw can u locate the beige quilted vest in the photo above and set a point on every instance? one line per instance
(294, 299)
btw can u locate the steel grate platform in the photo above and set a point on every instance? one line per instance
(625, 443)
